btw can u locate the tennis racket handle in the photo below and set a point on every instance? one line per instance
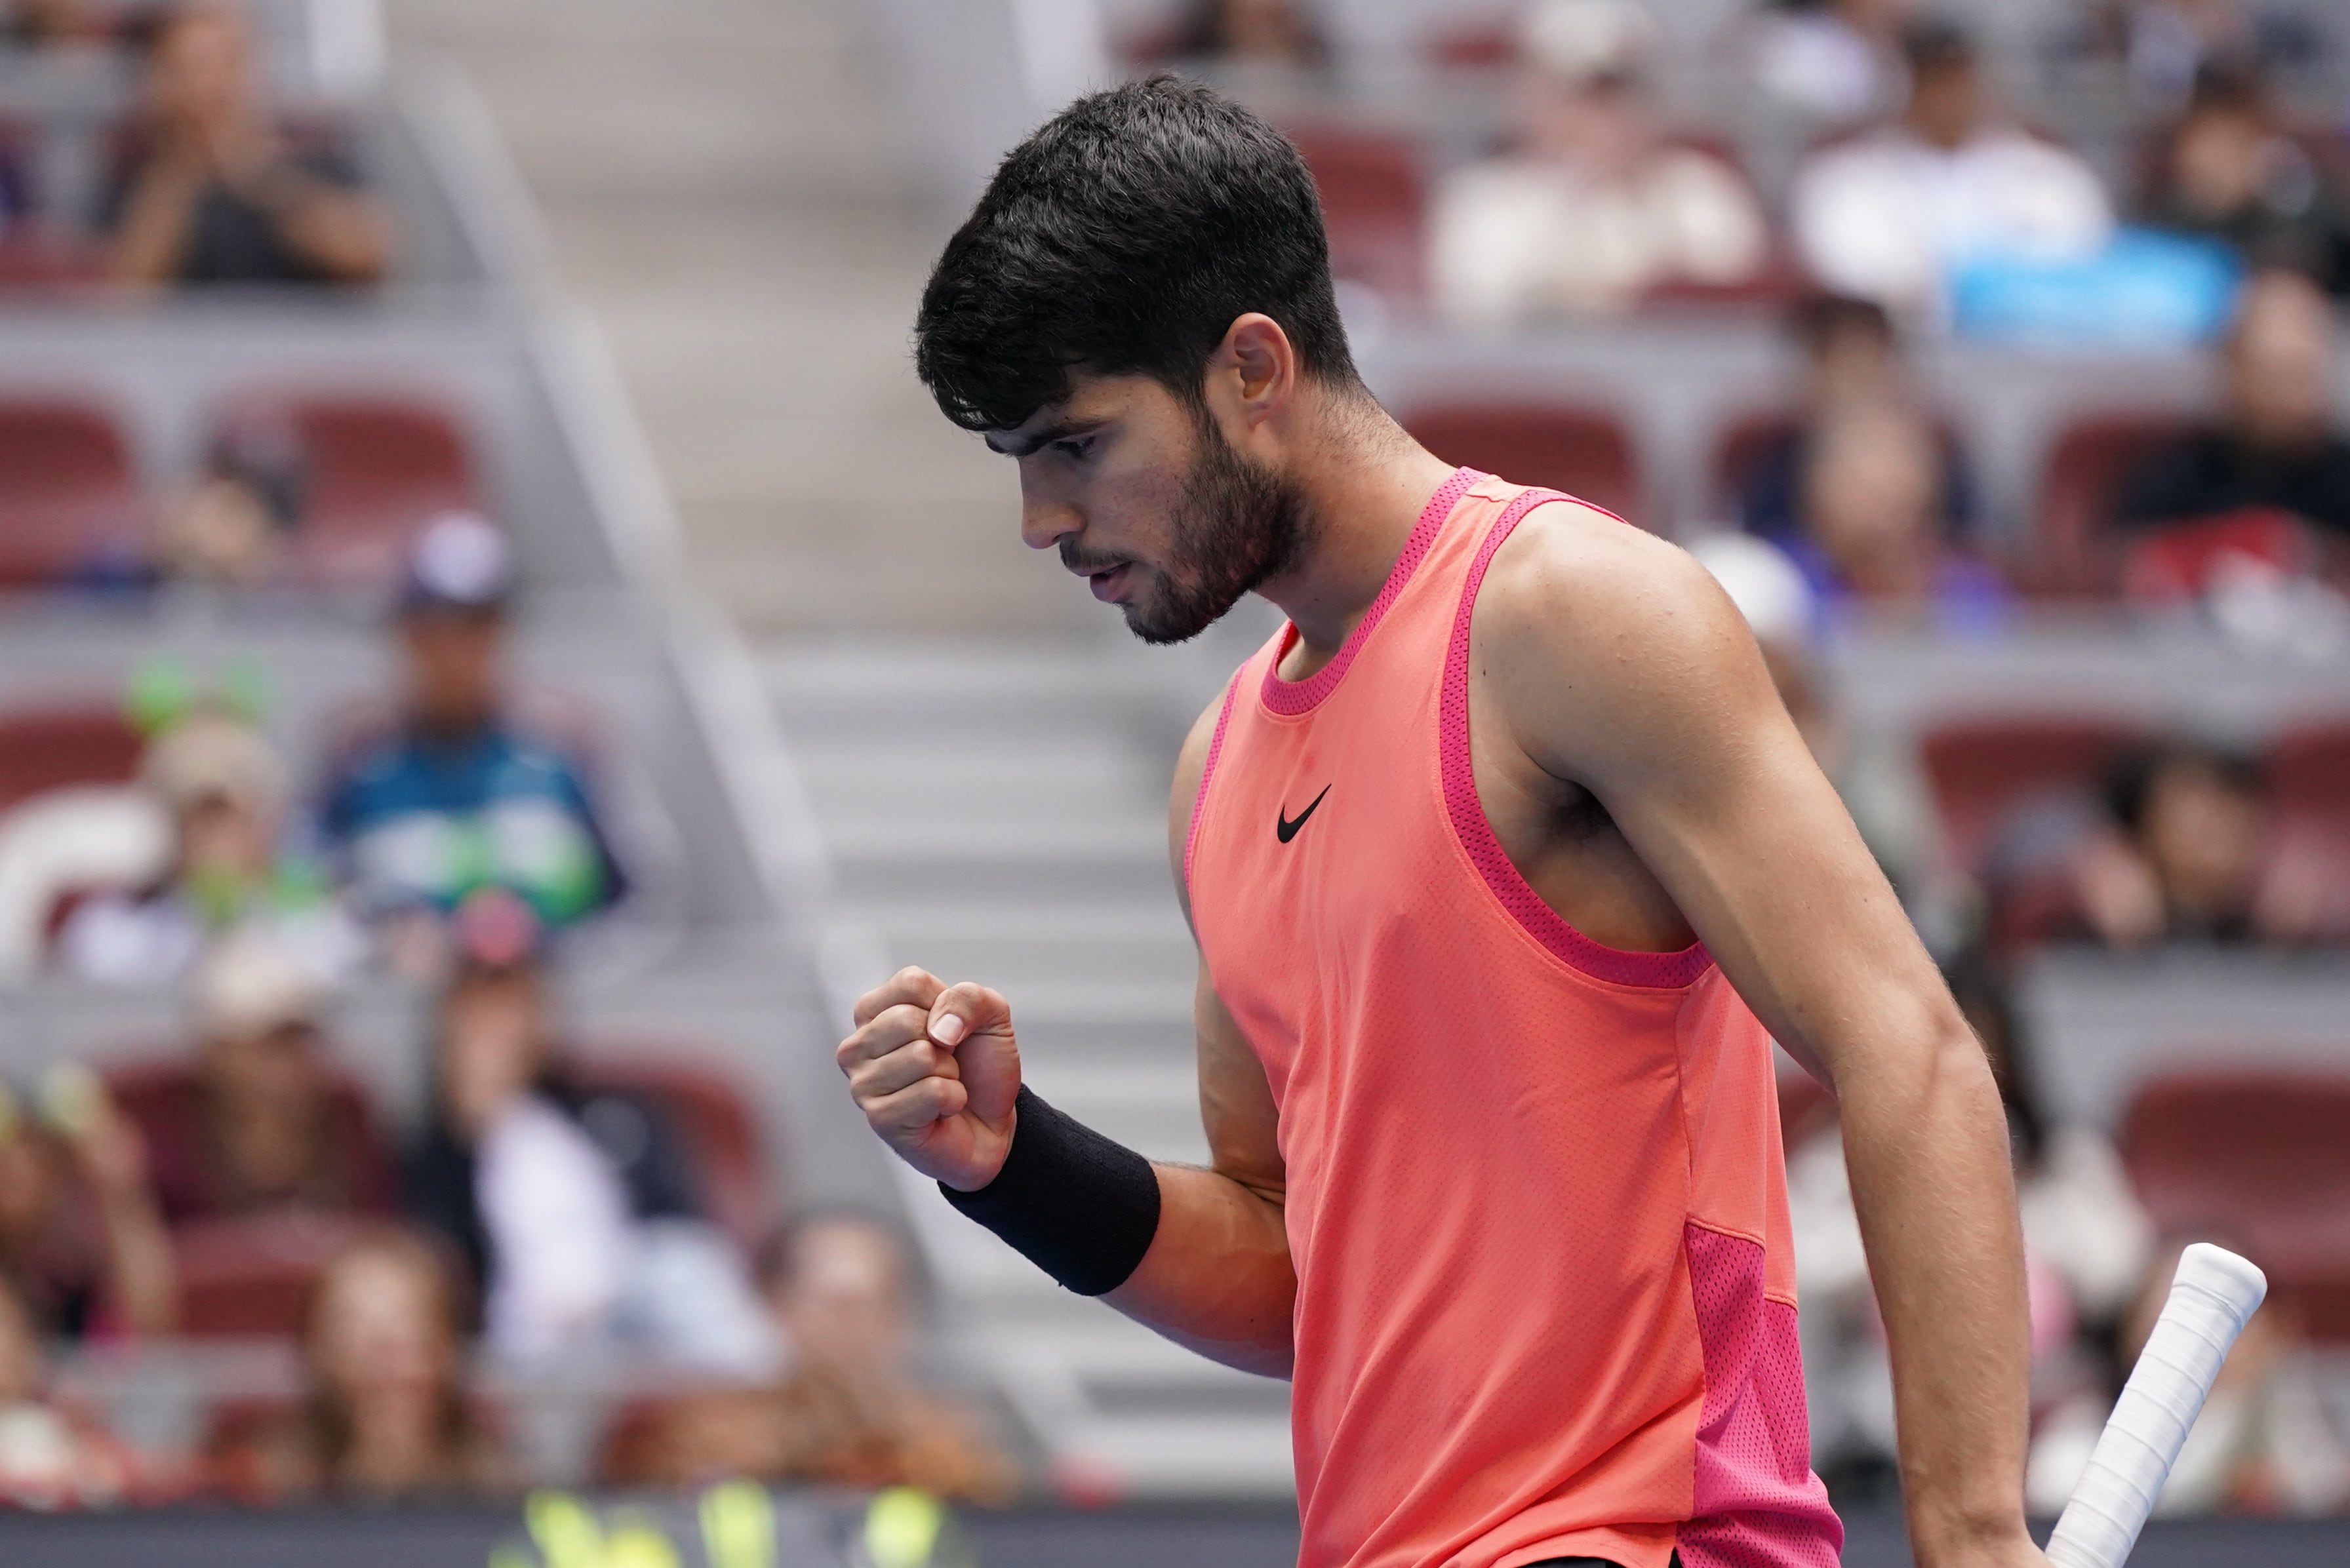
(2211, 1298)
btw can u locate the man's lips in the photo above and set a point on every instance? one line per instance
(1108, 583)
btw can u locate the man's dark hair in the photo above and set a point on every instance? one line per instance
(1819, 319)
(1124, 238)
(2130, 778)
(1937, 43)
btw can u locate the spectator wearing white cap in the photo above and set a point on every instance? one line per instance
(223, 789)
(1887, 216)
(453, 796)
(1593, 206)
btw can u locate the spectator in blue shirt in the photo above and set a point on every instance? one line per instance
(452, 796)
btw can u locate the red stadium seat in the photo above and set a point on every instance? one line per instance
(1472, 45)
(2309, 771)
(1374, 204)
(376, 469)
(1585, 452)
(252, 1274)
(2080, 484)
(702, 1107)
(2256, 1160)
(1979, 770)
(66, 489)
(164, 1098)
(2309, 791)
(54, 747)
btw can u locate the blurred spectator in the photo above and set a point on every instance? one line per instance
(1852, 359)
(217, 779)
(51, 1454)
(1837, 61)
(386, 1417)
(1594, 206)
(576, 1207)
(214, 192)
(234, 525)
(2277, 444)
(55, 24)
(2164, 45)
(1874, 530)
(2229, 172)
(2265, 1443)
(455, 796)
(82, 1247)
(854, 1412)
(1887, 216)
(2181, 855)
(266, 1124)
(1278, 32)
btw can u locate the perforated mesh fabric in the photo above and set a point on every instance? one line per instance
(1755, 1503)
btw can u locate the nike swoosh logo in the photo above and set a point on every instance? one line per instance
(1286, 829)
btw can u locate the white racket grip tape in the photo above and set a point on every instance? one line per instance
(2211, 1298)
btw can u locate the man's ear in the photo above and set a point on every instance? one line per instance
(1258, 365)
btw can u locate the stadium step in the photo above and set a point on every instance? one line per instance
(1001, 816)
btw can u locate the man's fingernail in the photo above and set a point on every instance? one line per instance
(947, 1030)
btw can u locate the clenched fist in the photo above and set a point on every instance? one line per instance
(935, 1070)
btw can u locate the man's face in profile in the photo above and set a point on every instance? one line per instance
(1144, 497)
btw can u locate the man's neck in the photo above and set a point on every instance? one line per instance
(1362, 502)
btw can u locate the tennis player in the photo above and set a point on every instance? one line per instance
(1506, 866)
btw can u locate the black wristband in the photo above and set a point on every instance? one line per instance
(1076, 1205)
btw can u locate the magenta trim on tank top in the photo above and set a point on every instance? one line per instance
(1291, 698)
(1544, 924)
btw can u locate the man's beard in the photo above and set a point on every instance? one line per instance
(1237, 528)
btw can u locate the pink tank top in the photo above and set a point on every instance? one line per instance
(1545, 1304)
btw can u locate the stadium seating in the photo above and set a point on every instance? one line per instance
(58, 745)
(252, 1275)
(709, 1117)
(2257, 1160)
(374, 468)
(2072, 551)
(1585, 452)
(66, 489)
(1374, 203)
(1979, 770)
(2309, 790)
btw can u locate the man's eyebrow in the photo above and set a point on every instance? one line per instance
(1023, 446)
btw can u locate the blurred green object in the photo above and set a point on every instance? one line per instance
(903, 1529)
(738, 1526)
(638, 1543)
(566, 1530)
(163, 690)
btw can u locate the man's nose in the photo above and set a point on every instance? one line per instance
(1044, 523)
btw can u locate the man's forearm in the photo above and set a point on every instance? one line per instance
(1217, 1278)
(1926, 1143)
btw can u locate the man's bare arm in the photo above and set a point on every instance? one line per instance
(1614, 662)
(1217, 1276)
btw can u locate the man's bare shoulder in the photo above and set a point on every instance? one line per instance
(1597, 637)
